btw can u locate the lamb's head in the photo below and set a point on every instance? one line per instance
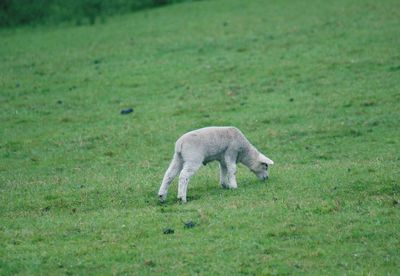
(260, 168)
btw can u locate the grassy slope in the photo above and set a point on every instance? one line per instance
(314, 85)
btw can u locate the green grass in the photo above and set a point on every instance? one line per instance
(313, 84)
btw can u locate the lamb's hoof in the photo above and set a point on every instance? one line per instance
(182, 200)
(161, 198)
(228, 187)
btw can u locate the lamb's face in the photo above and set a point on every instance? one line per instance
(261, 167)
(261, 171)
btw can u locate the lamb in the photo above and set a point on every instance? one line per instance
(227, 145)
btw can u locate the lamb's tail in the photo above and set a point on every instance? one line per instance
(178, 148)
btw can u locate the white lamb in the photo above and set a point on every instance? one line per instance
(227, 145)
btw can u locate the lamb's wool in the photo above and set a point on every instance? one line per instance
(227, 145)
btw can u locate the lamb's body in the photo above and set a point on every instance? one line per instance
(227, 145)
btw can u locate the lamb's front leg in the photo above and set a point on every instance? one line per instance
(232, 175)
(223, 175)
(230, 160)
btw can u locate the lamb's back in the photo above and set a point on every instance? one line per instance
(211, 140)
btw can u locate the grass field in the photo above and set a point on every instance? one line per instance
(315, 85)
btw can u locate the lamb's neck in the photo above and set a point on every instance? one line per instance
(249, 156)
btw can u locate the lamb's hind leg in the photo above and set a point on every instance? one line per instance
(174, 168)
(189, 169)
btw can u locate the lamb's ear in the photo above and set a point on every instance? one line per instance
(266, 160)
